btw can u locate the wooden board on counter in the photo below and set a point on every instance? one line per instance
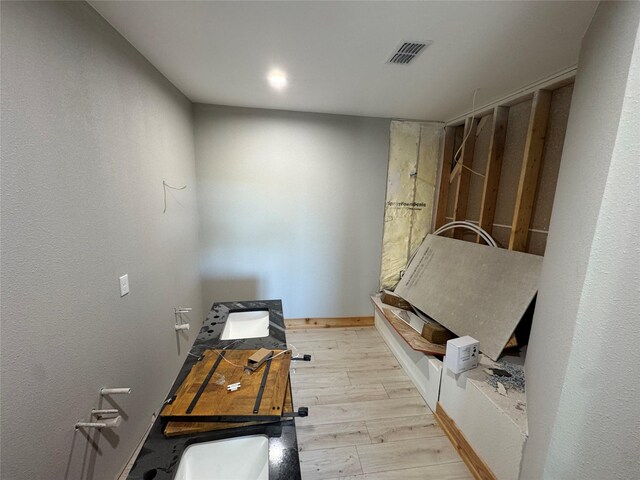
(200, 399)
(176, 429)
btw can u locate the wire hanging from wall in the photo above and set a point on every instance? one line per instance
(456, 159)
(165, 185)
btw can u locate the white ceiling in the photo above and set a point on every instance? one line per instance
(335, 52)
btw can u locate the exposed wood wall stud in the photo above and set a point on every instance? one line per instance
(443, 193)
(531, 162)
(464, 177)
(494, 167)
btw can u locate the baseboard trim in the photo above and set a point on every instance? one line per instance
(474, 462)
(335, 322)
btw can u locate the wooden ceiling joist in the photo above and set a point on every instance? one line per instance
(494, 167)
(463, 179)
(531, 162)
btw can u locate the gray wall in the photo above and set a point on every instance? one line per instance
(291, 207)
(583, 395)
(89, 131)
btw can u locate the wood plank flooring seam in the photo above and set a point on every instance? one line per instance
(461, 474)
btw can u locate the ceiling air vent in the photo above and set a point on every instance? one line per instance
(406, 52)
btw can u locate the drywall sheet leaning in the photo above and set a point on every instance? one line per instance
(472, 289)
(414, 149)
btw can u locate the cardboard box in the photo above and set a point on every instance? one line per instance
(462, 354)
(257, 359)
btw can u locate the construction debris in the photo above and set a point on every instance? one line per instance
(497, 372)
(501, 389)
(509, 375)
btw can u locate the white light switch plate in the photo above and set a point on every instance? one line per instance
(124, 285)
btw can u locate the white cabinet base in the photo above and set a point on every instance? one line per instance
(423, 370)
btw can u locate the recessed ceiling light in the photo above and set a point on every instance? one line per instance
(277, 79)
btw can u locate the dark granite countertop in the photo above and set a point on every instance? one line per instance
(159, 457)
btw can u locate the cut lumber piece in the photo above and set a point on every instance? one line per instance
(390, 298)
(436, 333)
(493, 170)
(443, 192)
(533, 149)
(464, 177)
(472, 289)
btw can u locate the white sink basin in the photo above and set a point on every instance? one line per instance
(246, 325)
(241, 458)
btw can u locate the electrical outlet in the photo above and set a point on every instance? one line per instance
(124, 285)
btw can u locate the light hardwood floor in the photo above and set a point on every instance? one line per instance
(366, 419)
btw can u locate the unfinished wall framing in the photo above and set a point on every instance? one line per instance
(503, 177)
